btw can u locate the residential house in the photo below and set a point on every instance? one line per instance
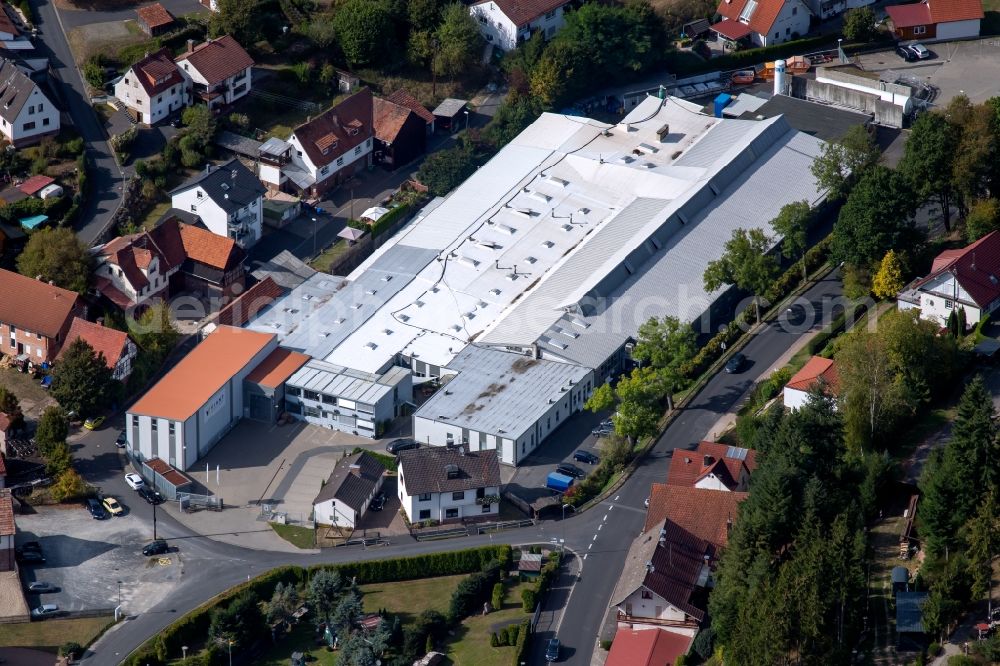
(330, 148)
(8, 29)
(219, 71)
(118, 349)
(762, 22)
(937, 20)
(713, 466)
(647, 647)
(228, 200)
(213, 5)
(152, 89)
(817, 374)
(400, 134)
(212, 265)
(344, 498)
(449, 484)
(154, 19)
(665, 581)
(403, 98)
(35, 317)
(26, 114)
(706, 514)
(506, 23)
(967, 278)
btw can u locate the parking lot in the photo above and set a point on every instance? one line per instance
(85, 559)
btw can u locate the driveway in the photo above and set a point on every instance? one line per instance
(89, 13)
(105, 181)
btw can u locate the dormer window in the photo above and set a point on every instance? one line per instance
(353, 131)
(200, 194)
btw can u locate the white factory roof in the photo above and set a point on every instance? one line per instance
(500, 392)
(570, 212)
(346, 383)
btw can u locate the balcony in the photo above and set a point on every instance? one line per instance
(657, 622)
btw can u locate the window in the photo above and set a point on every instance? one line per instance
(482, 19)
(449, 438)
(159, 99)
(155, 423)
(27, 349)
(795, 10)
(135, 421)
(919, 30)
(458, 495)
(299, 153)
(451, 513)
(293, 390)
(948, 305)
(194, 209)
(425, 514)
(171, 428)
(325, 170)
(29, 126)
(646, 594)
(486, 508)
(424, 497)
(340, 161)
(357, 151)
(788, 31)
(45, 122)
(550, 15)
(31, 110)
(776, 35)
(38, 352)
(329, 400)
(310, 395)
(368, 143)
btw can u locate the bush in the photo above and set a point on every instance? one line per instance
(389, 462)
(523, 641)
(961, 660)
(497, 601)
(71, 649)
(93, 70)
(528, 598)
(504, 637)
(472, 593)
(513, 632)
(494, 641)
(933, 649)
(606, 645)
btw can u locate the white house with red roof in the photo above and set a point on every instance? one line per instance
(218, 71)
(818, 373)
(118, 349)
(966, 278)
(713, 466)
(647, 647)
(504, 23)
(152, 88)
(132, 270)
(937, 20)
(763, 22)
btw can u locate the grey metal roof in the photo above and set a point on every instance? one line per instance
(900, 575)
(499, 392)
(238, 144)
(424, 470)
(353, 489)
(284, 268)
(346, 383)
(231, 186)
(910, 612)
(450, 107)
(317, 327)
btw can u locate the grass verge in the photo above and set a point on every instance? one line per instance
(50, 634)
(300, 537)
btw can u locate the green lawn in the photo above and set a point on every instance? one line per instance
(471, 644)
(329, 257)
(50, 634)
(410, 598)
(301, 639)
(300, 537)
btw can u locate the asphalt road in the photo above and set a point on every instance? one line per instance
(105, 180)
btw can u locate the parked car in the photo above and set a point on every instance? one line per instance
(736, 363)
(122, 440)
(158, 547)
(44, 611)
(586, 457)
(113, 506)
(602, 431)
(96, 509)
(905, 53)
(30, 557)
(134, 481)
(93, 423)
(397, 445)
(41, 587)
(378, 502)
(552, 650)
(920, 51)
(150, 495)
(570, 469)
(30, 546)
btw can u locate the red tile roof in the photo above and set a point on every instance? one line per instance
(389, 119)
(112, 293)
(976, 267)
(104, 340)
(157, 72)
(35, 184)
(250, 303)
(908, 16)
(3, 466)
(522, 12)
(274, 370)
(404, 98)
(687, 468)
(334, 130)
(732, 29)
(761, 19)
(7, 25)
(155, 15)
(944, 11)
(210, 249)
(817, 369)
(218, 59)
(706, 514)
(647, 647)
(4, 422)
(7, 526)
(200, 374)
(34, 305)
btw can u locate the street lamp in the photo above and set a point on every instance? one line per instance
(229, 642)
(119, 593)
(314, 236)
(184, 650)
(466, 119)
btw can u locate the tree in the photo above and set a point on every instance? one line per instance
(793, 224)
(420, 47)
(68, 486)
(444, 170)
(53, 429)
(363, 30)
(11, 406)
(321, 31)
(282, 603)
(241, 622)
(459, 41)
(56, 255)
(929, 158)
(424, 14)
(877, 217)
(58, 460)
(324, 588)
(639, 396)
(666, 344)
(239, 18)
(983, 217)
(974, 445)
(154, 331)
(346, 613)
(745, 264)
(82, 381)
(859, 24)
(841, 163)
(983, 538)
(888, 280)
(601, 400)
(516, 112)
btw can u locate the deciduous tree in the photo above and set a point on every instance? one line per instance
(793, 224)
(53, 429)
(877, 217)
(363, 28)
(842, 162)
(82, 381)
(745, 264)
(666, 344)
(639, 396)
(888, 280)
(929, 160)
(56, 255)
(459, 41)
(444, 170)
(983, 217)
(859, 24)
(239, 18)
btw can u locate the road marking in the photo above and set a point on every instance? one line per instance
(595, 538)
(616, 497)
(605, 517)
(585, 555)
(589, 546)
(599, 527)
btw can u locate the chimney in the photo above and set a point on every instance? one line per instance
(355, 469)
(709, 460)
(663, 536)
(100, 321)
(461, 450)
(649, 567)
(190, 46)
(687, 461)
(729, 526)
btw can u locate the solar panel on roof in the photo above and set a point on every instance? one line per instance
(736, 453)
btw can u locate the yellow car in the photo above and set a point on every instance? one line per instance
(113, 507)
(94, 423)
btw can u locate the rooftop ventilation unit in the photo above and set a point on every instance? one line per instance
(548, 244)
(558, 181)
(371, 292)
(456, 328)
(567, 227)
(482, 304)
(530, 260)
(626, 159)
(511, 276)
(386, 331)
(646, 148)
(386, 278)
(495, 292)
(540, 196)
(468, 261)
(371, 346)
(306, 297)
(356, 306)
(503, 228)
(404, 318)
(523, 212)
(568, 333)
(663, 131)
(489, 245)
(339, 320)
(418, 303)
(435, 289)
(576, 321)
(469, 315)
(648, 165)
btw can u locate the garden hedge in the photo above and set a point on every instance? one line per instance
(523, 641)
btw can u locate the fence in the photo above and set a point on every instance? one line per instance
(506, 525)
(193, 502)
(270, 515)
(440, 534)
